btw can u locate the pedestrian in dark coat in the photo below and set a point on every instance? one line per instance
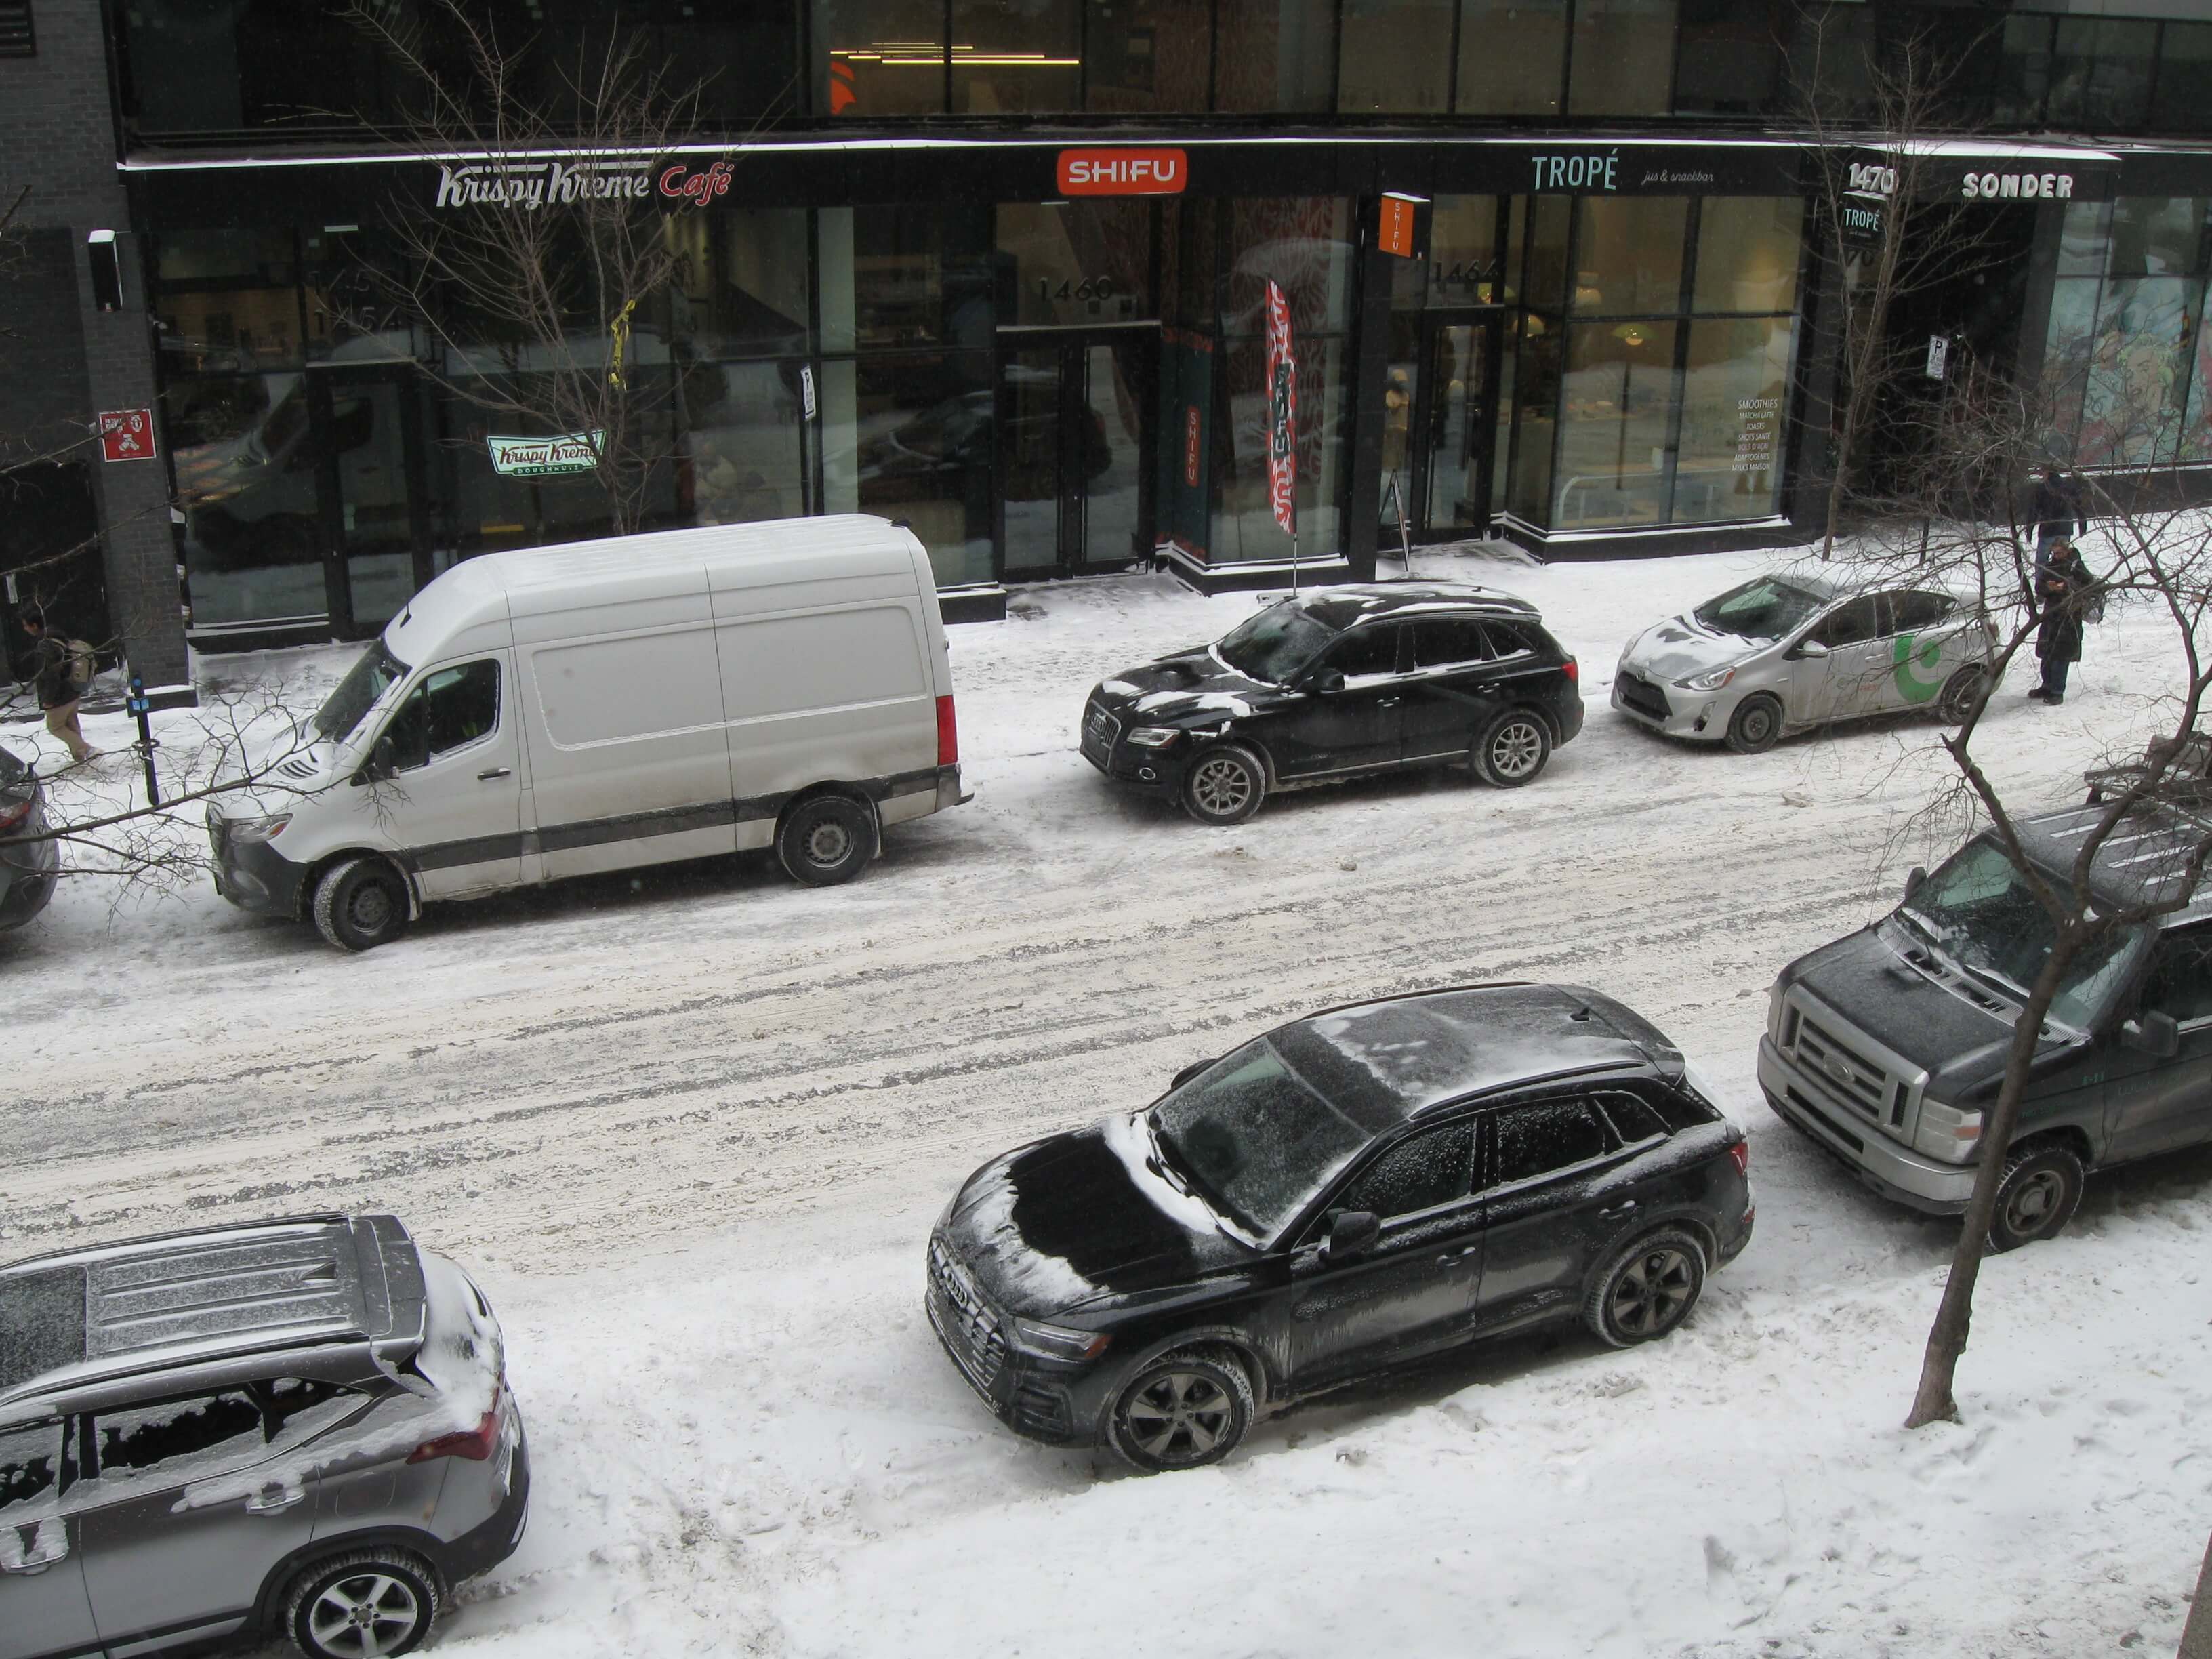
(2066, 591)
(57, 689)
(2057, 510)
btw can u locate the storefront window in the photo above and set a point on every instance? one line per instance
(1747, 253)
(1730, 57)
(1549, 216)
(1087, 260)
(879, 58)
(1243, 520)
(2066, 353)
(1274, 55)
(1535, 407)
(741, 281)
(1617, 414)
(1304, 244)
(228, 299)
(747, 454)
(1628, 254)
(2158, 235)
(1734, 396)
(1016, 56)
(243, 452)
(1399, 56)
(1511, 56)
(2085, 239)
(2183, 98)
(906, 276)
(2023, 70)
(909, 437)
(2100, 73)
(1142, 56)
(1623, 57)
(1465, 267)
(2138, 370)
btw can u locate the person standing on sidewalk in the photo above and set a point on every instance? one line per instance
(2057, 512)
(56, 686)
(2067, 591)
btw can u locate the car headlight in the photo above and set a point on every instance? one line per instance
(1712, 682)
(1058, 1342)
(245, 832)
(1154, 737)
(1948, 1132)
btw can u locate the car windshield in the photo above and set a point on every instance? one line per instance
(357, 694)
(1256, 1138)
(1275, 644)
(1764, 609)
(1978, 910)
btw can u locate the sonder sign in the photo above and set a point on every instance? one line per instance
(2025, 186)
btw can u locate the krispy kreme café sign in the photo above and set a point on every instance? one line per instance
(527, 187)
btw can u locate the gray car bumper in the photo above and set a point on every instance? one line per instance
(1896, 1172)
(1699, 716)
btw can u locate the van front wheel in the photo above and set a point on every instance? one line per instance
(361, 903)
(827, 840)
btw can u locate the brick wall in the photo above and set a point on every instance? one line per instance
(63, 361)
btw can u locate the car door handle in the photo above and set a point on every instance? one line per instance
(1626, 1206)
(1387, 702)
(1451, 1256)
(275, 1500)
(51, 1544)
(495, 772)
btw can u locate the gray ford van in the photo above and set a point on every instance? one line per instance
(1887, 1047)
(301, 1426)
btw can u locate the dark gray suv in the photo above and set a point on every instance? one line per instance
(300, 1425)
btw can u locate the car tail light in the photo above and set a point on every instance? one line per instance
(476, 1445)
(1742, 1153)
(948, 734)
(1574, 673)
(13, 812)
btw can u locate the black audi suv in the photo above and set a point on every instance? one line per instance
(1337, 684)
(1353, 1190)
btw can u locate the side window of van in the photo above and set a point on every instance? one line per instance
(451, 709)
(2181, 978)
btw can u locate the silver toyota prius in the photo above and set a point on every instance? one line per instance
(1796, 648)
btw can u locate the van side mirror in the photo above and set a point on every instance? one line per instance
(1324, 681)
(1808, 650)
(383, 761)
(2152, 1033)
(1193, 1069)
(1914, 879)
(1349, 1233)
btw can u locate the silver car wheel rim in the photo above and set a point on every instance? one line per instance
(828, 843)
(2034, 1201)
(1220, 787)
(1178, 1416)
(1652, 1293)
(1515, 749)
(364, 1616)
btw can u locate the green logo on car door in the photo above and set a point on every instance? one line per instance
(1911, 686)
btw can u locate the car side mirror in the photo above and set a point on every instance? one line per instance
(1808, 650)
(1324, 681)
(1193, 1069)
(383, 761)
(1913, 880)
(2153, 1034)
(1350, 1232)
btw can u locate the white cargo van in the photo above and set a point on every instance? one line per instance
(555, 711)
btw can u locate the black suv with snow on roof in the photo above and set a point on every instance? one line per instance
(1335, 684)
(1352, 1190)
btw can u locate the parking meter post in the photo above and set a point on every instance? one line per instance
(146, 745)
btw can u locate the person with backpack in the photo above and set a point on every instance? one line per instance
(61, 670)
(2057, 510)
(2068, 597)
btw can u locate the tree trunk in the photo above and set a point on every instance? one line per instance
(2197, 1637)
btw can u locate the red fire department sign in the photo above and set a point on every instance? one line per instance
(126, 434)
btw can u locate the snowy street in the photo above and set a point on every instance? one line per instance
(690, 1128)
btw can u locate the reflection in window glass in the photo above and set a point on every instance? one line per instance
(1304, 244)
(2066, 350)
(1731, 57)
(1628, 254)
(227, 300)
(1243, 516)
(741, 280)
(1548, 220)
(1536, 423)
(1732, 399)
(2023, 70)
(1464, 267)
(746, 460)
(2157, 236)
(1401, 60)
(1747, 253)
(2100, 72)
(2085, 239)
(1511, 56)
(1623, 57)
(1275, 55)
(2183, 102)
(1535, 1140)
(1618, 404)
(879, 58)
(1432, 1168)
(1087, 260)
(2138, 370)
(1140, 56)
(1012, 57)
(920, 275)
(245, 471)
(909, 437)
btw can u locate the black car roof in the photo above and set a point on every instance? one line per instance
(1348, 607)
(1382, 1062)
(2145, 860)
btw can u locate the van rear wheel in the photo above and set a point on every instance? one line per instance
(827, 840)
(361, 903)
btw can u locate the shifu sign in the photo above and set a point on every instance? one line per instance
(529, 185)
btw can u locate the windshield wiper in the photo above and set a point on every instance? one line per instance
(1989, 976)
(1156, 1160)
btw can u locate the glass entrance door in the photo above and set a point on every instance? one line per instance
(370, 497)
(1457, 423)
(1076, 415)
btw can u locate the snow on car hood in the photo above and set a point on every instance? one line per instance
(1185, 685)
(1678, 648)
(1074, 1220)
